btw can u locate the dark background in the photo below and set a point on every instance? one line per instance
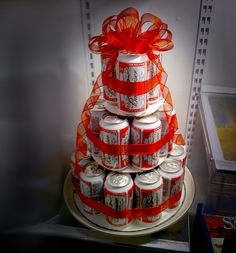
(40, 104)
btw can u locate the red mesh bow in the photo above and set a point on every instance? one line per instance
(127, 32)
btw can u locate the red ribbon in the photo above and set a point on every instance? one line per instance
(130, 88)
(128, 213)
(130, 149)
(125, 32)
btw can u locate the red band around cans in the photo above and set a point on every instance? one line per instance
(130, 149)
(130, 88)
(128, 213)
(84, 133)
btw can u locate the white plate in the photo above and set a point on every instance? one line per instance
(97, 222)
(129, 169)
(113, 108)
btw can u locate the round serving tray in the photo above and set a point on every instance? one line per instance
(151, 109)
(129, 169)
(98, 222)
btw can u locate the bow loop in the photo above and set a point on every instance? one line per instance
(126, 31)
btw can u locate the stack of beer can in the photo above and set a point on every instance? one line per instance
(132, 68)
(156, 177)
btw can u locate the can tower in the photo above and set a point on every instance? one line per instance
(131, 123)
(125, 127)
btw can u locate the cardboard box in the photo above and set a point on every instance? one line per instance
(213, 233)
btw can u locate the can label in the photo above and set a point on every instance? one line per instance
(149, 136)
(118, 201)
(92, 190)
(155, 93)
(176, 185)
(95, 118)
(164, 129)
(166, 118)
(109, 94)
(149, 198)
(132, 72)
(115, 137)
(166, 188)
(152, 69)
(171, 187)
(164, 148)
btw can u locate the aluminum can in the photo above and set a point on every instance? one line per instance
(173, 177)
(114, 130)
(155, 93)
(179, 153)
(163, 110)
(82, 163)
(109, 94)
(118, 194)
(97, 113)
(132, 68)
(146, 130)
(148, 193)
(91, 184)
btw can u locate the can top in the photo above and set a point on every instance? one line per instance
(113, 119)
(171, 165)
(149, 122)
(127, 53)
(98, 107)
(118, 180)
(125, 56)
(177, 150)
(93, 170)
(150, 177)
(150, 119)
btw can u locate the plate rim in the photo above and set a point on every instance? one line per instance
(69, 200)
(155, 106)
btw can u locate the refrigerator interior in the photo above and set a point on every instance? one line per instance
(47, 73)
